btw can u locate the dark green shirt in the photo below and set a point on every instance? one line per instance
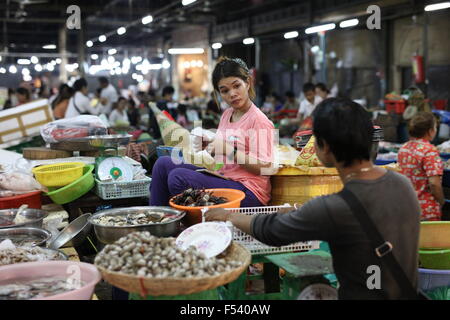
(392, 204)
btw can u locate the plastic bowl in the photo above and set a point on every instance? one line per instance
(434, 235)
(32, 199)
(76, 189)
(87, 272)
(438, 259)
(431, 279)
(59, 174)
(194, 214)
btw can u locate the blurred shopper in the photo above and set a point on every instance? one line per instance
(167, 102)
(61, 102)
(182, 117)
(119, 116)
(322, 91)
(419, 160)
(23, 96)
(11, 102)
(108, 95)
(212, 114)
(79, 103)
(133, 113)
(307, 106)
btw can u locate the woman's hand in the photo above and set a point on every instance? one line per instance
(217, 214)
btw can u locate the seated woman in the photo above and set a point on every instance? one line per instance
(419, 160)
(244, 141)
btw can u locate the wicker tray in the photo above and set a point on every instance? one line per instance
(179, 286)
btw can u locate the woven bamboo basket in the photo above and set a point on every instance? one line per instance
(300, 184)
(180, 286)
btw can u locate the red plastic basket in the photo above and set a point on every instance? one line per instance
(32, 199)
(396, 106)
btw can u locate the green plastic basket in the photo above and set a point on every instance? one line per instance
(74, 190)
(435, 259)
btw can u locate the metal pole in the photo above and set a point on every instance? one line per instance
(62, 51)
(81, 50)
(425, 51)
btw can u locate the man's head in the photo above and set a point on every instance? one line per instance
(309, 91)
(23, 95)
(104, 82)
(290, 96)
(167, 93)
(343, 131)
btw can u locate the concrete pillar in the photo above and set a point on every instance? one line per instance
(81, 51)
(62, 41)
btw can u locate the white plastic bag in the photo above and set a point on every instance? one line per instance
(77, 127)
(17, 181)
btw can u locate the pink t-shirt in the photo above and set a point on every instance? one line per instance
(254, 135)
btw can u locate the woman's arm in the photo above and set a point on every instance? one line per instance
(436, 189)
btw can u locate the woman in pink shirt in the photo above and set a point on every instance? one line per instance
(244, 142)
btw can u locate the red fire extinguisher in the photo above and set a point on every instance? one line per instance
(418, 71)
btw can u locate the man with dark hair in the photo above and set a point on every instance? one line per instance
(166, 104)
(307, 105)
(23, 96)
(343, 132)
(108, 95)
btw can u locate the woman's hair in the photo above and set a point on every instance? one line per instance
(64, 93)
(23, 91)
(348, 143)
(79, 84)
(227, 67)
(421, 123)
(322, 87)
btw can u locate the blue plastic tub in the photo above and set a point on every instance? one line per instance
(445, 156)
(430, 279)
(383, 162)
(162, 151)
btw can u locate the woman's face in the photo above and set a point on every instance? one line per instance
(21, 98)
(234, 91)
(85, 91)
(321, 93)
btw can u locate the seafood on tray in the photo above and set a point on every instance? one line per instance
(25, 289)
(198, 198)
(150, 217)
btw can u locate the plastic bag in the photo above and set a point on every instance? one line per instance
(77, 127)
(52, 226)
(308, 156)
(17, 181)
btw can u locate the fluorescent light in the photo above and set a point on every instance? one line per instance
(147, 19)
(58, 60)
(315, 49)
(121, 30)
(112, 51)
(94, 56)
(166, 64)
(187, 2)
(216, 45)
(49, 46)
(102, 38)
(186, 51)
(53, 62)
(27, 77)
(12, 69)
(2, 70)
(25, 71)
(23, 61)
(323, 27)
(248, 41)
(135, 60)
(50, 67)
(438, 6)
(89, 43)
(0, 58)
(111, 59)
(348, 23)
(38, 68)
(34, 60)
(290, 35)
(126, 62)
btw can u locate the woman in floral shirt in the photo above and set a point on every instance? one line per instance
(419, 160)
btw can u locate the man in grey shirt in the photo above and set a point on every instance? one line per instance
(343, 132)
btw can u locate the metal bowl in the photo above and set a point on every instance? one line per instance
(109, 234)
(36, 217)
(108, 141)
(39, 237)
(76, 232)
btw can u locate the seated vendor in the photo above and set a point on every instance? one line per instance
(419, 160)
(244, 143)
(387, 197)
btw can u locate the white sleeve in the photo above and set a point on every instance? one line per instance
(301, 110)
(84, 104)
